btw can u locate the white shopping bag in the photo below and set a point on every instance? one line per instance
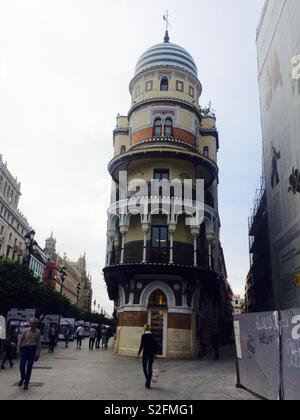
(155, 375)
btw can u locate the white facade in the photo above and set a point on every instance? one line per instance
(278, 44)
(13, 225)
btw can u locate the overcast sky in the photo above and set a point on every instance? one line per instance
(65, 68)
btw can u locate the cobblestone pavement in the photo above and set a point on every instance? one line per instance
(101, 375)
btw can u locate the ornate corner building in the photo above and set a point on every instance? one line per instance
(159, 269)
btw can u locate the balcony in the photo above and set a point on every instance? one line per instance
(183, 256)
(207, 168)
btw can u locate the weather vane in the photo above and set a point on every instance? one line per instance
(166, 19)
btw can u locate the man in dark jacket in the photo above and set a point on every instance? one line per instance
(9, 347)
(149, 348)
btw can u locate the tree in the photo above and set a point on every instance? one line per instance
(20, 289)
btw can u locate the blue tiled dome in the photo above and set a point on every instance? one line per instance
(166, 55)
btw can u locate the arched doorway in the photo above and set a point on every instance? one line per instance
(157, 318)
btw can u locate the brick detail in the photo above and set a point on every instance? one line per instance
(178, 134)
(179, 321)
(132, 319)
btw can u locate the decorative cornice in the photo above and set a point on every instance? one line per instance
(172, 100)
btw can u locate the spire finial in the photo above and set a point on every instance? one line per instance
(166, 19)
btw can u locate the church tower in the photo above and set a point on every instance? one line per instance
(162, 267)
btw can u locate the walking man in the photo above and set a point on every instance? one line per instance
(99, 328)
(9, 346)
(52, 338)
(67, 335)
(93, 335)
(149, 348)
(29, 347)
(79, 334)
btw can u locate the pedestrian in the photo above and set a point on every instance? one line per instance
(103, 337)
(93, 335)
(66, 335)
(52, 338)
(29, 347)
(215, 343)
(79, 335)
(99, 328)
(149, 348)
(9, 346)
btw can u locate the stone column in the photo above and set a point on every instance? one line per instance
(123, 231)
(110, 239)
(210, 238)
(172, 229)
(145, 228)
(195, 233)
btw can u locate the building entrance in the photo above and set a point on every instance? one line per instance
(157, 318)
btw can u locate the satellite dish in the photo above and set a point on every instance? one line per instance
(2, 328)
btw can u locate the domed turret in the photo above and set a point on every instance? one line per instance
(166, 55)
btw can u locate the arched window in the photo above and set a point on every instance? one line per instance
(158, 127)
(164, 84)
(123, 150)
(206, 151)
(168, 127)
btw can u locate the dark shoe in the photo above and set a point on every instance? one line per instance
(21, 383)
(148, 384)
(2, 367)
(25, 387)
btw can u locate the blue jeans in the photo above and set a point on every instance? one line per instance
(28, 355)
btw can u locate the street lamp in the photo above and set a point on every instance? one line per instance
(63, 275)
(78, 293)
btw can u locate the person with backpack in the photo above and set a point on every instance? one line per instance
(149, 348)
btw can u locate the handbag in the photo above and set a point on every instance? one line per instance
(155, 374)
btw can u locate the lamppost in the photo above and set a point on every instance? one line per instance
(63, 276)
(31, 245)
(78, 293)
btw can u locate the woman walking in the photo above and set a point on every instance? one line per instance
(9, 346)
(30, 349)
(149, 349)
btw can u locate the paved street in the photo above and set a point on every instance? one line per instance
(83, 375)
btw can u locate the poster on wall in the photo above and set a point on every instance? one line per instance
(279, 81)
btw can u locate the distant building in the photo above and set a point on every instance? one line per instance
(13, 224)
(77, 286)
(238, 305)
(38, 263)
